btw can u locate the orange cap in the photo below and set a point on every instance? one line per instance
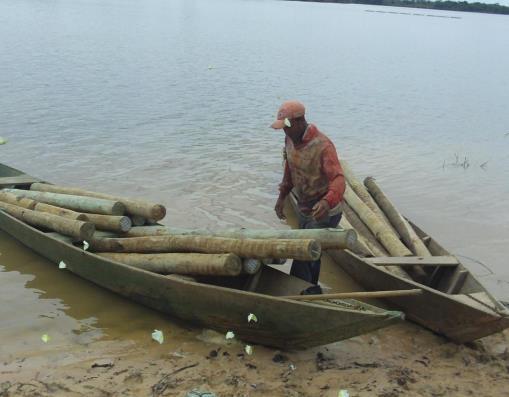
(288, 110)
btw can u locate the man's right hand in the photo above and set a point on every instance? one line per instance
(280, 203)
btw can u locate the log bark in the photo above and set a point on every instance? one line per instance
(360, 247)
(192, 264)
(363, 194)
(406, 232)
(328, 238)
(69, 214)
(76, 203)
(383, 234)
(141, 208)
(247, 248)
(404, 229)
(77, 229)
(12, 199)
(371, 242)
(118, 224)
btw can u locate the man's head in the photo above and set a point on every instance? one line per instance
(291, 118)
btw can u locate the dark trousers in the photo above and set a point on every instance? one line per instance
(310, 270)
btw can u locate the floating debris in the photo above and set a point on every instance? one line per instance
(249, 349)
(3, 141)
(62, 265)
(343, 393)
(85, 245)
(292, 367)
(229, 335)
(252, 317)
(45, 338)
(158, 336)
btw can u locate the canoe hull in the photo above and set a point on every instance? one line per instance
(455, 316)
(281, 323)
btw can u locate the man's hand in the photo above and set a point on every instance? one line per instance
(280, 203)
(320, 210)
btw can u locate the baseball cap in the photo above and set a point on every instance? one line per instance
(288, 110)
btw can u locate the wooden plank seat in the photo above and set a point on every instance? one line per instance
(406, 261)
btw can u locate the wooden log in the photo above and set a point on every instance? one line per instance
(328, 238)
(193, 264)
(363, 194)
(383, 234)
(251, 265)
(76, 203)
(10, 198)
(371, 242)
(247, 248)
(373, 245)
(360, 247)
(51, 209)
(357, 295)
(138, 220)
(119, 224)
(404, 229)
(141, 208)
(76, 229)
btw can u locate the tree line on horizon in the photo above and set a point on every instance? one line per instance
(446, 5)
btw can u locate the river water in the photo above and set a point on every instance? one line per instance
(171, 101)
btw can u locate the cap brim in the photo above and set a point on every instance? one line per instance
(278, 124)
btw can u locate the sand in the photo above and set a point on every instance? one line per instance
(402, 360)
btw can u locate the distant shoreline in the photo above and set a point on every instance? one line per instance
(430, 5)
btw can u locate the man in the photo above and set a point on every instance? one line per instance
(313, 173)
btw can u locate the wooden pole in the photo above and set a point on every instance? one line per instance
(51, 209)
(360, 247)
(76, 203)
(406, 232)
(389, 240)
(247, 248)
(372, 243)
(78, 229)
(141, 208)
(357, 295)
(12, 199)
(193, 264)
(363, 194)
(118, 224)
(328, 238)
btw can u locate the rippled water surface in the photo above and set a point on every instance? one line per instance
(171, 100)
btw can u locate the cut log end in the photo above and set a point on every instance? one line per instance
(158, 212)
(118, 208)
(87, 230)
(125, 224)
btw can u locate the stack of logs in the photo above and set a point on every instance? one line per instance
(382, 231)
(113, 228)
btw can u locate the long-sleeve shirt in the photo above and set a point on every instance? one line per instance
(312, 170)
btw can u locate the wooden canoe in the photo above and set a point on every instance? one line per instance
(453, 303)
(224, 304)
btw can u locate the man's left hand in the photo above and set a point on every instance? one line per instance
(320, 209)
